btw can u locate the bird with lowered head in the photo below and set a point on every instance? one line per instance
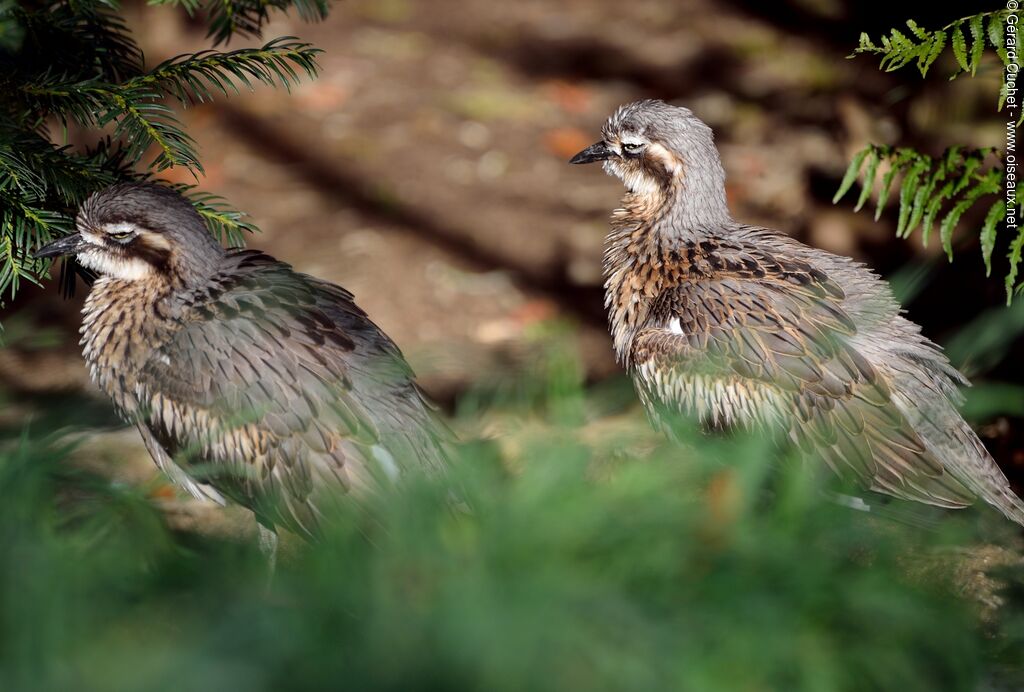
(247, 380)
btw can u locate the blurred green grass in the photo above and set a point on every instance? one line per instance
(585, 561)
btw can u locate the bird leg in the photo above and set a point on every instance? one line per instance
(268, 546)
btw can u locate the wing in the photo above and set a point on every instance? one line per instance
(768, 341)
(277, 384)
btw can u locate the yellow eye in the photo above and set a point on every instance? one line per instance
(119, 231)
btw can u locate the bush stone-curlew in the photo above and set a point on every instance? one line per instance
(736, 324)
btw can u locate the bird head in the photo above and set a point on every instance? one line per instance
(139, 231)
(661, 152)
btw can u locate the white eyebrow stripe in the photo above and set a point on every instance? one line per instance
(120, 227)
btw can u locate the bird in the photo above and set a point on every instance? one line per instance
(739, 326)
(247, 380)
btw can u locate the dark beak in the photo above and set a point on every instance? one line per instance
(595, 152)
(58, 248)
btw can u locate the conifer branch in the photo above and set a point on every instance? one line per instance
(74, 62)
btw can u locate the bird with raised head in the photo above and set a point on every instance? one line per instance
(246, 379)
(739, 325)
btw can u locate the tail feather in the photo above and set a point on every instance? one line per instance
(1007, 502)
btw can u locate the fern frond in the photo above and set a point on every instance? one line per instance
(995, 214)
(968, 36)
(1016, 248)
(946, 186)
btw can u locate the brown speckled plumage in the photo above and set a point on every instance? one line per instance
(246, 379)
(742, 325)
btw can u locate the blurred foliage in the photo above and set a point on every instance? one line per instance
(987, 400)
(618, 565)
(73, 68)
(954, 182)
(985, 341)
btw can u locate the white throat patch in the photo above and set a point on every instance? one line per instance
(635, 182)
(107, 264)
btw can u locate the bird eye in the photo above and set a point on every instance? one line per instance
(120, 232)
(632, 148)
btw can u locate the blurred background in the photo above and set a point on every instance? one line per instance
(425, 170)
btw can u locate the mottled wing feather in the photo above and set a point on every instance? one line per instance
(277, 383)
(770, 343)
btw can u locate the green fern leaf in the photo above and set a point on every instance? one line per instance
(938, 42)
(933, 211)
(922, 198)
(995, 37)
(901, 51)
(1015, 254)
(948, 226)
(988, 233)
(908, 190)
(851, 174)
(896, 165)
(864, 45)
(971, 165)
(985, 185)
(976, 24)
(868, 181)
(960, 48)
(917, 31)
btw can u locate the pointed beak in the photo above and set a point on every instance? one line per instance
(595, 152)
(58, 248)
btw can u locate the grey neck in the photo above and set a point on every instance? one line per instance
(194, 268)
(695, 203)
(687, 211)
